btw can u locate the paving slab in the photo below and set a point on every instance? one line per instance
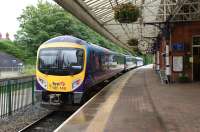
(177, 104)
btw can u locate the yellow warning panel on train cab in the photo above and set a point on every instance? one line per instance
(60, 86)
(59, 83)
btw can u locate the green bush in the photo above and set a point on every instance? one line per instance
(29, 70)
(183, 78)
(11, 48)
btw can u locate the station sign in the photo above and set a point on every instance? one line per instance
(178, 47)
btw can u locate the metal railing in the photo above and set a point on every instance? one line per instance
(6, 69)
(16, 93)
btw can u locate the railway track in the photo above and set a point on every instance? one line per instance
(47, 123)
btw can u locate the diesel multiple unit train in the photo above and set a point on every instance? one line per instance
(68, 67)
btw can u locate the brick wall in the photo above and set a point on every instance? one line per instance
(183, 32)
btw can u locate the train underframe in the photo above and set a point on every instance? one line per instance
(62, 98)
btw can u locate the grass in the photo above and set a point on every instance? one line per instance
(11, 48)
(29, 70)
(14, 50)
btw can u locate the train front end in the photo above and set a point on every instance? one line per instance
(60, 72)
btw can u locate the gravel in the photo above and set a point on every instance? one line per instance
(22, 118)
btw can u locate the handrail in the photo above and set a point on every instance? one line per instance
(16, 78)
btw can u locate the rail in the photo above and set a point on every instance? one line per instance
(48, 123)
(16, 93)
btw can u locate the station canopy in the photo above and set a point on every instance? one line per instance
(144, 29)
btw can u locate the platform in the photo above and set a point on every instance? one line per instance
(138, 102)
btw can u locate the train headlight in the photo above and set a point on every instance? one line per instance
(43, 83)
(76, 84)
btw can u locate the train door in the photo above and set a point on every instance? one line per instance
(196, 58)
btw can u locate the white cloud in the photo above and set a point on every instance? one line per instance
(9, 11)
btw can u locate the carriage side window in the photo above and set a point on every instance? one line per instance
(96, 62)
(104, 62)
(93, 61)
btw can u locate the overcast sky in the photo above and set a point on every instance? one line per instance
(9, 11)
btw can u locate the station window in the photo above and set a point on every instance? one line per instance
(196, 40)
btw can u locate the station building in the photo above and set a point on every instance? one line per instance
(178, 51)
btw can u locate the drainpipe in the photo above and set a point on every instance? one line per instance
(157, 61)
(167, 65)
(167, 61)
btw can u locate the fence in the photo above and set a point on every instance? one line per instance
(14, 69)
(15, 94)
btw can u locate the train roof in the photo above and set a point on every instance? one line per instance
(72, 39)
(139, 58)
(100, 48)
(66, 38)
(136, 57)
(129, 56)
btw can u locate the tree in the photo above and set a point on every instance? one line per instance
(46, 20)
